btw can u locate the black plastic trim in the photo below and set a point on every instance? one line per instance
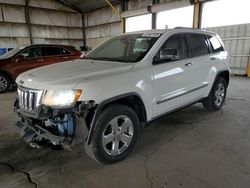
(222, 71)
(175, 110)
(101, 106)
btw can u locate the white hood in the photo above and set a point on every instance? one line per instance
(68, 74)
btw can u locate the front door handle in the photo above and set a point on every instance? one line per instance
(40, 60)
(189, 64)
(213, 58)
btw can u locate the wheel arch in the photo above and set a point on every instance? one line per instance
(133, 100)
(223, 74)
(2, 71)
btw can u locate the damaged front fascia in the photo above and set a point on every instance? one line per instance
(44, 113)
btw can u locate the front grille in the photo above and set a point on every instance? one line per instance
(29, 99)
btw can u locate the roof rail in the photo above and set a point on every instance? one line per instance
(184, 28)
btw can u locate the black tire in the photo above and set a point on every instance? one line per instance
(112, 112)
(4, 83)
(211, 103)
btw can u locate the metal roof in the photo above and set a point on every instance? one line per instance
(87, 5)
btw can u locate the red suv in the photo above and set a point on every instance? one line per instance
(20, 60)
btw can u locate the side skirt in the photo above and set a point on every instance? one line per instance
(172, 111)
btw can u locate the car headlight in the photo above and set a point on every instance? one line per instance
(61, 98)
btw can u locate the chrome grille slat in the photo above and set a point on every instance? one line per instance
(21, 98)
(29, 99)
(25, 99)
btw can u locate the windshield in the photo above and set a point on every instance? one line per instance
(125, 48)
(11, 53)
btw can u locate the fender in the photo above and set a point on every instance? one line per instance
(100, 107)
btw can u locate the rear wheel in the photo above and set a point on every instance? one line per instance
(217, 95)
(115, 134)
(4, 83)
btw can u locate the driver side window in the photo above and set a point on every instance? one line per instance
(174, 49)
(31, 53)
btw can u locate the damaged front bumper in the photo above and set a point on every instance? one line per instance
(54, 127)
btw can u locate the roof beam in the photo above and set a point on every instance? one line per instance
(66, 3)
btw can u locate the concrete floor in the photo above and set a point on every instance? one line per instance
(190, 148)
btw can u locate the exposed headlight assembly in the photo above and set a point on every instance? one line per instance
(61, 98)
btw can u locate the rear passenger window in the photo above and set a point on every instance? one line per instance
(53, 51)
(216, 45)
(198, 45)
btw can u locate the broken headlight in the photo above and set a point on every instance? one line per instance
(61, 98)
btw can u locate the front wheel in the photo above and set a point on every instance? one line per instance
(4, 83)
(217, 96)
(115, 134)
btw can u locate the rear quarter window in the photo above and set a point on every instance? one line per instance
(53, 51)
(215, 43)
(198, 45)
(65, 52)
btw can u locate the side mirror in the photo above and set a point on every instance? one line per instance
(168, 54)
(19, 58)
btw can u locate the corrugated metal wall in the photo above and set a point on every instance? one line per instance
(237, 41)
(104, 23)
(100, 25)
(51, 23)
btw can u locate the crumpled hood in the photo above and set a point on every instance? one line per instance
(68, 74)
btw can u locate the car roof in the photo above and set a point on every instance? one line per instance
(58, 45)
(177, 30)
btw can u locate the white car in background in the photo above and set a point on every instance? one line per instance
(121, 86)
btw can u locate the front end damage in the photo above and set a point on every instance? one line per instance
(46, 126)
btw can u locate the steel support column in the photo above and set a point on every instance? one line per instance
(198, 7)
(153, 16)
(154, 20)
(27, 18)
(83, 30)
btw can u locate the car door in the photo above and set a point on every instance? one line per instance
(173, 78)
(169, 75)
(218, 53)
(56, 55)
(27, 59)
(200, 57)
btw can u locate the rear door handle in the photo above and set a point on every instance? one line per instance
(213, 58)
(40, 60)
(189, 64)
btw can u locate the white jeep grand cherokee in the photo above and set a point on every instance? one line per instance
(104, 100)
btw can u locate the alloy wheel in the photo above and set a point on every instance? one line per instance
(219, 94)
(3, 83)
(117, 135)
